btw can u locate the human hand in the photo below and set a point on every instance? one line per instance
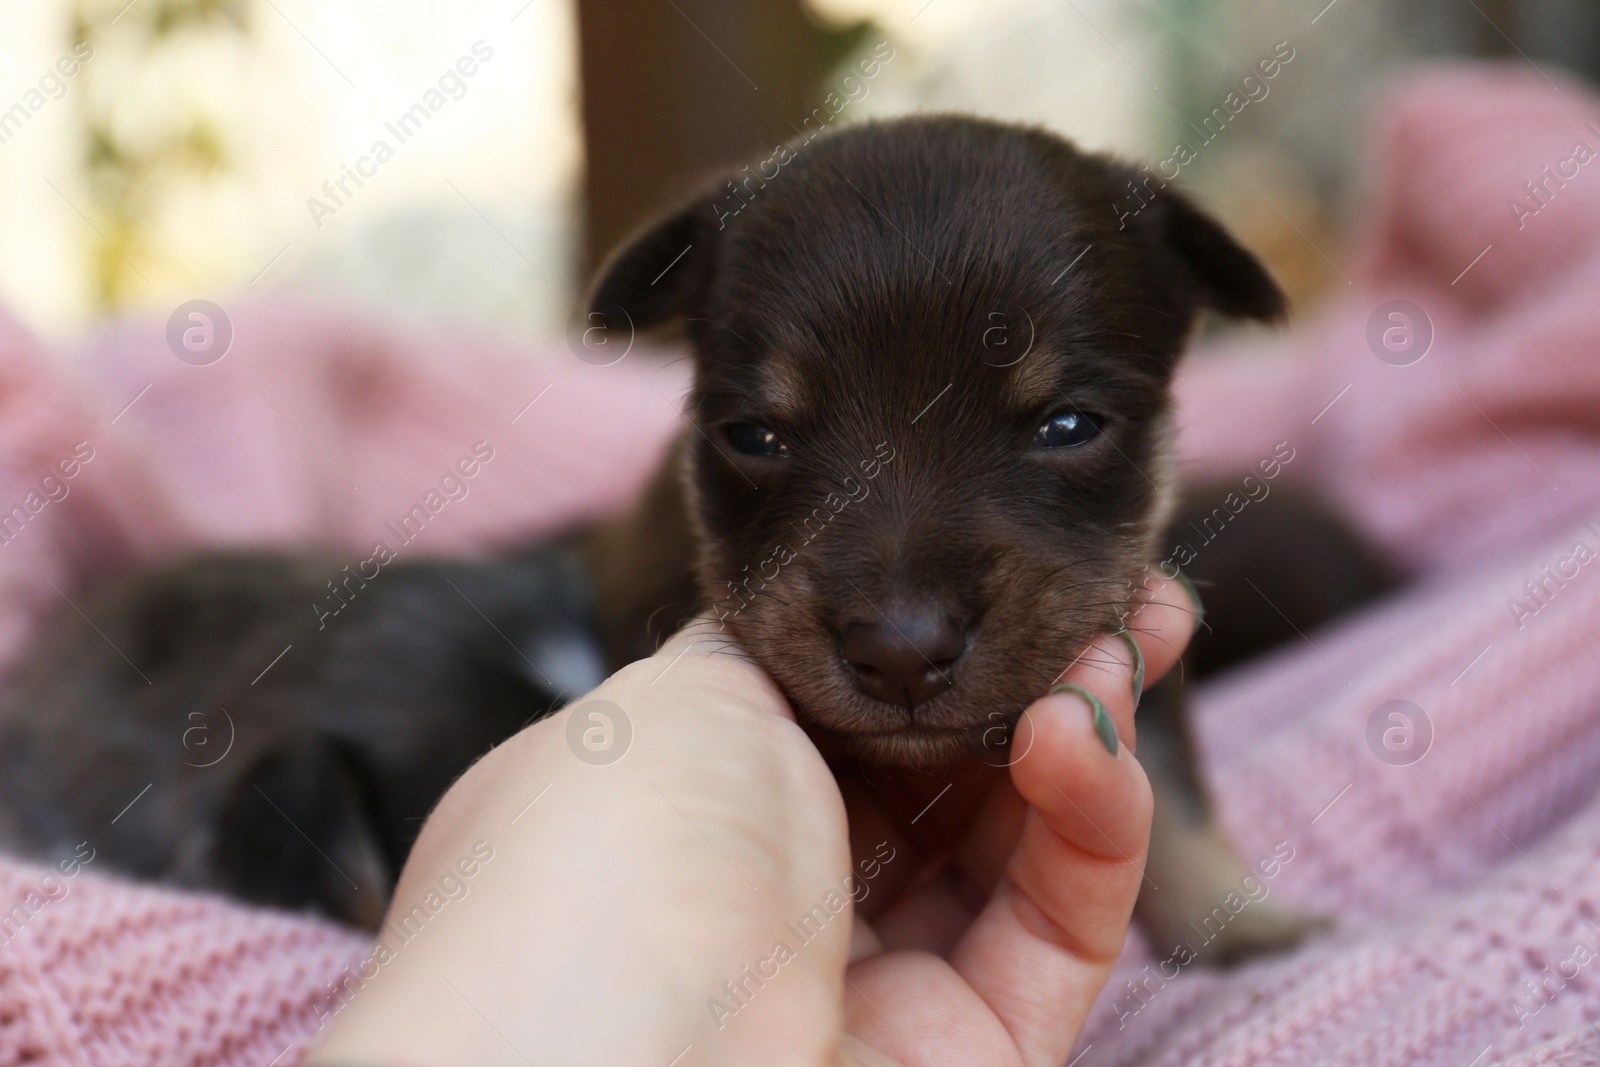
(633, 911)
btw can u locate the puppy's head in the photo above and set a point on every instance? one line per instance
(929, 454)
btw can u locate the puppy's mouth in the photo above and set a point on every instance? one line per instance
(940, 733)
(934, 713)
(912, 744)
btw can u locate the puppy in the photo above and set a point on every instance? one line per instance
(217, 727)
(907, 522)
(930, 454)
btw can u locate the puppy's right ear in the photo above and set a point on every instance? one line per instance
(662, 270)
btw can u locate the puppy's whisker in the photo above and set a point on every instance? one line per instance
(774, 597)
(695, 607)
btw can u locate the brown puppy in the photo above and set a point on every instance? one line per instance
(930, 446)
(908, 523)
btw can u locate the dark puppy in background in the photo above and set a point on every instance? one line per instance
(207, 729)
(912, 522)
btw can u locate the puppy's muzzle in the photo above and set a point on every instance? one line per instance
(905, 655)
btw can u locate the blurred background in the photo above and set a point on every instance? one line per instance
(469, 161)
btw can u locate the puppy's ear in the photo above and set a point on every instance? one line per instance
(297, 833)
(660, 272)
(1221, 272)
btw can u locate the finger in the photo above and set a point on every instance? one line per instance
(1164, 623)
(1117, 667)
(915, 1009)
(864, 941)
(1043, 947)
(932, 919)
(705, 651)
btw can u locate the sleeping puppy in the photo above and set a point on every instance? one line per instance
(208, 729)
(930, 454)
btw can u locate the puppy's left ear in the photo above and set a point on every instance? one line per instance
(1222, 274)
(660, 272)
(296, 831)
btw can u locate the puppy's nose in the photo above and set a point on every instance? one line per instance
(906, 658)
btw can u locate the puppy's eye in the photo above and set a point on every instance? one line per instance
(753, 439)
(1067, 430)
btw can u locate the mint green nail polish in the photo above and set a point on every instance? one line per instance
(1103, 726)
(1138, 666)
(1194, 595)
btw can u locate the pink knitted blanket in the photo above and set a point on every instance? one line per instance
(1429, 768)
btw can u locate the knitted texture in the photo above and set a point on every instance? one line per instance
(96, 972)
(1458, 845)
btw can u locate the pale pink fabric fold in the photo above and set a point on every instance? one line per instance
(1467, 882)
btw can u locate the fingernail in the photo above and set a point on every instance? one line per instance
(1103, 726)
(1138, 666)
(1194, 596)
